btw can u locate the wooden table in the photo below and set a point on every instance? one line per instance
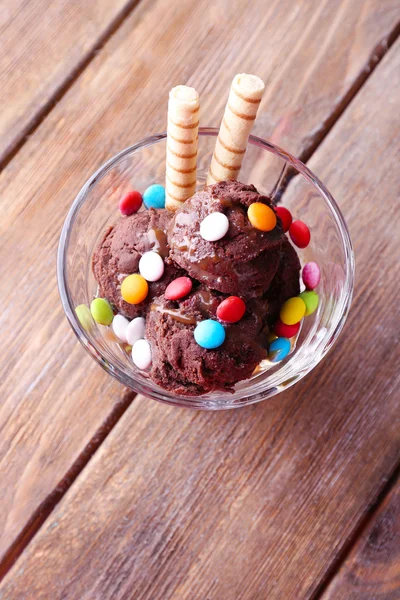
(105, 495)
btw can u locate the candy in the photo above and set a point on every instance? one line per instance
(311, 275)
(151, 266)
(141, 354)
(84, 316)
(292, 311)
(135, 330)
(286, 331)
(120, 325)
(261, 216)
(285, 216)
(209, 334)
(300, 234)
(130, 203)
(311, 300)
(214, 227)
(134, 289)
(279, 349)
(101, 311)
(178, 288)
(154, 196)
(231, 310)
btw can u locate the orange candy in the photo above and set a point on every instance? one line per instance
(261, 216)
(134, 289)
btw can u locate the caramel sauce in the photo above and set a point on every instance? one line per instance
(159, 241)
(226, 202)
(205, 301)
(175, 314)
(199, 270)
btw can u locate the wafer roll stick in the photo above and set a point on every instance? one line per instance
(182, 140)
(240, 112)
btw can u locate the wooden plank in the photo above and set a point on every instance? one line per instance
(47, 382)
(372, 571)
(255, 503)
(43, 45)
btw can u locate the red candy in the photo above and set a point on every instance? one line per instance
(130, 203)
(178, 288)
(231, 310)
(286, 331)
(300, 234)
(285, 216)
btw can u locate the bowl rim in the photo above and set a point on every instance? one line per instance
(204, 402)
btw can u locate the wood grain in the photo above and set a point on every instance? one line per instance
(372, 571)
(51, 406)
(255, 503)
(43, 45)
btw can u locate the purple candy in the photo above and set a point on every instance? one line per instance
(311, 275)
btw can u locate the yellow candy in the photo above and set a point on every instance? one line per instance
(292, 311)
(85, 316)
(261, 216)
(134, 289)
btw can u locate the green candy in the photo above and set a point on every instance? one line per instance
(84, 316)
(101, 311)
(311, 300)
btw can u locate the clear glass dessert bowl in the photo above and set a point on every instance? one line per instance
(274, 172)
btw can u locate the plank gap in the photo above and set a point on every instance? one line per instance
(361, 526)
(13, 148)
(374, 60)
(376, 56)
(45, 509)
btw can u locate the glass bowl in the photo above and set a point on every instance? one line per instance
(273, 172)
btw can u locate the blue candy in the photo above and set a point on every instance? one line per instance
(154, 196)
(209, 334)
(279, 349)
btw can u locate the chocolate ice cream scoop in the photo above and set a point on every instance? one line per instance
(119, 253)
(260, 267)
(181, 365)
(286, 282)
(245, 260)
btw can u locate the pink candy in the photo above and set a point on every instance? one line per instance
(178, 288)
(130, 203)
(311, 275)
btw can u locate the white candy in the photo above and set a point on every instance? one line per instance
(120, 325)
(135, 330)
(151, 266)
(214, 227)
(141, 354)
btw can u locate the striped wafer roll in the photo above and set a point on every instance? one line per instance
(182, 140)
(240, 112)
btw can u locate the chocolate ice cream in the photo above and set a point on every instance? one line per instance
(260, 267)
(245, 260)
(119, 253)
(180, 364)
(286, 282)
